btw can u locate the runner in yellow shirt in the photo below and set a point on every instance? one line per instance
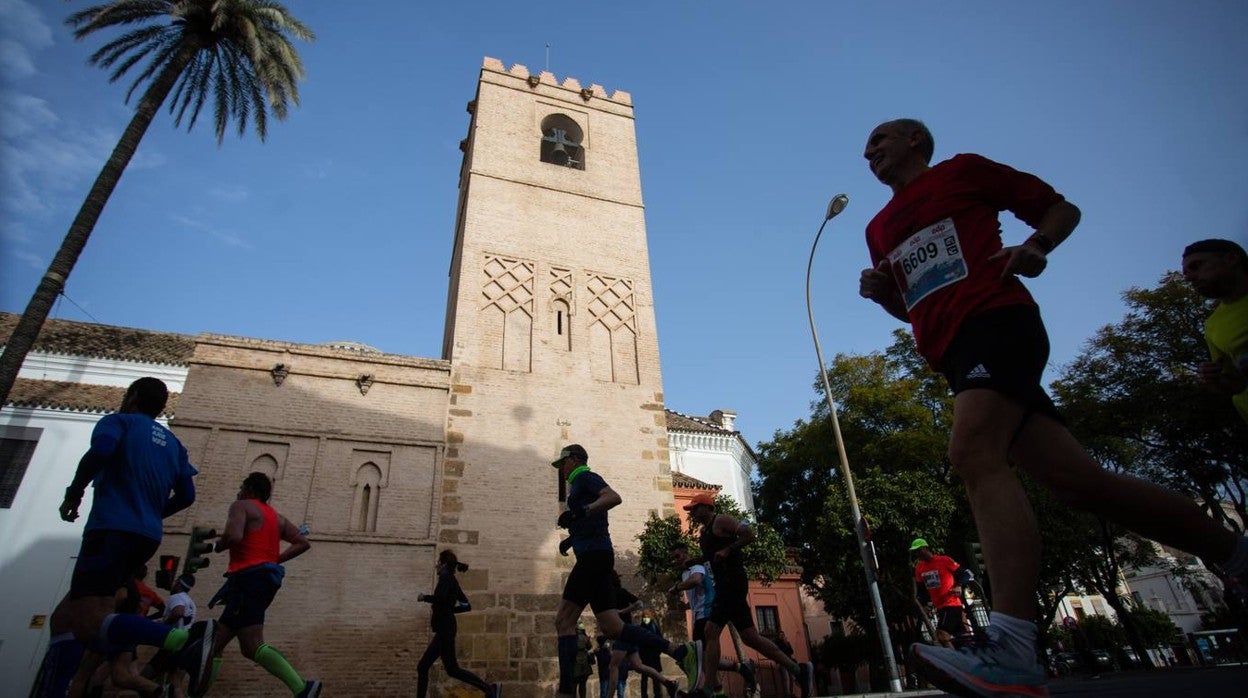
(1218, 269)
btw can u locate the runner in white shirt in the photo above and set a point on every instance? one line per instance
(180, 608)
(698, 584)
(180, 613)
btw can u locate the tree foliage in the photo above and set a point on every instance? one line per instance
(895, 415)
(765, 559)
(1133, 399)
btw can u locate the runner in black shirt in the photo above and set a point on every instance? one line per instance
(721, 541)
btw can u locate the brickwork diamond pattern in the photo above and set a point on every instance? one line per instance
(508, 284)
(611, 302)
(561, 283)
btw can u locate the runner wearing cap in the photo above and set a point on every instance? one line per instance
(939, 581)
(592, 580)
(721, 540)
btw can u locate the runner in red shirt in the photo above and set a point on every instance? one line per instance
(938, 262)
(253, 535)
(940, 581)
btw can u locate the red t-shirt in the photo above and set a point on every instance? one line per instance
(260, 545)
(938, 233)
(936, 575)
(148, 598)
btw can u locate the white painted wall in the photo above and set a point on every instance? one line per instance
(78, 369)
(1160, 591)
(717, 459)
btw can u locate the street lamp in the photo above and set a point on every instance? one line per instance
(835, 206)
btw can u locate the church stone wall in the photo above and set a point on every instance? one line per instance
(347, 612)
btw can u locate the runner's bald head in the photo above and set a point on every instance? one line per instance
(927, 144)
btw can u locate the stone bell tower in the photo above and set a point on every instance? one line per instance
(551, 336)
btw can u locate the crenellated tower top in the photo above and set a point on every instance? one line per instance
(548, 78)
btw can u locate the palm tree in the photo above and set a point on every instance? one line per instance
(236, 51)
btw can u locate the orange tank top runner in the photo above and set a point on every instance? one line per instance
(260, 545)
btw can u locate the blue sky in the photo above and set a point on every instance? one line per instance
(750, 116)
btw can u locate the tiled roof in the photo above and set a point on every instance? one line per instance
(73, 397)
(693, 483)
(683, 422)
(106, 341)
(677, 421)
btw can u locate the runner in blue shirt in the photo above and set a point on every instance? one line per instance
(141, 475)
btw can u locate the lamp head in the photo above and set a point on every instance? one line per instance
(836, 205)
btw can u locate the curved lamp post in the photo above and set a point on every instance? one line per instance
(838, 204)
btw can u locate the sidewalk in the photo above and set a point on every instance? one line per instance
(888, 694)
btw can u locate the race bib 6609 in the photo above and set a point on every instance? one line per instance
(930, 259)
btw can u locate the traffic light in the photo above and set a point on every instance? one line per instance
(198, 548)
(167, 573)
(975, 559)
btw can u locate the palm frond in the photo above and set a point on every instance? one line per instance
(107, 54)
(134, 57)
(163, 54)
(118, 13)
(243, 57)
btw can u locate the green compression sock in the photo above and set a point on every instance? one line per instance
(176, 639)
(273, 662)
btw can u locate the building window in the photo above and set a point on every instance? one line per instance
(367, 494)
(266, 464)
(563, 324)
(15, 455)
(561, 142)
(768, 620)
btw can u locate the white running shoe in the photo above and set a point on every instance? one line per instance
(980, 671)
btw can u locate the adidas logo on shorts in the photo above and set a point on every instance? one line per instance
(978, 372)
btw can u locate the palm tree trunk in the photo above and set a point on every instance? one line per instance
(53, 281)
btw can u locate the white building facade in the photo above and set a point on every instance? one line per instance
(711, 450)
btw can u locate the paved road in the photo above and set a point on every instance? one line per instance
(1199, 682)
(1177, 682)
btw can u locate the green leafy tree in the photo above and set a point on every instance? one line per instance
(765, 559)
(1099, 632)
(1133, 399)
(1155, 627)
(236, 53)
(894, 414)
(654, 563)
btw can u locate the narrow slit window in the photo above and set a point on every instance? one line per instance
(563, 324)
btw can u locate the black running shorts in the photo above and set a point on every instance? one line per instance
(251, 592)
(699, 628)
(951, 620)
(1005, 350)
(107, 560)
(731, 606)
(591, 582)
